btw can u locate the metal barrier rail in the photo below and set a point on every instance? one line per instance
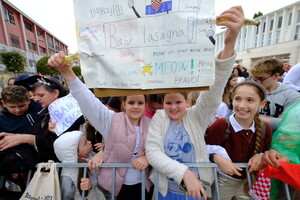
(155, 192)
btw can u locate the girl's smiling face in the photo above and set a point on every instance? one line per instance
(175, 105)
(134, 107)
(246, 102)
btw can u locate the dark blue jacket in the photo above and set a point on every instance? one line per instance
(11, 123)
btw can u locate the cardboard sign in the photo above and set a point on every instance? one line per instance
(64, 112)
(146, 45)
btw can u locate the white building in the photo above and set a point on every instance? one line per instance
(277, 36)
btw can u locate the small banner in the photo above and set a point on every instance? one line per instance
(64, 112)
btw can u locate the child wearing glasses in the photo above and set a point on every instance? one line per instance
(279, 97)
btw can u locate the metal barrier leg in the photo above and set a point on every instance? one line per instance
(84, 176)
(113, 184)
(29, 177)
(216, 184)
(143, 185)
(249, 181)
(287, 192)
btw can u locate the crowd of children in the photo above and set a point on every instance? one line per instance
(159, 131)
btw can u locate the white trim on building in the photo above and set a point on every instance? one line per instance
(277, 36)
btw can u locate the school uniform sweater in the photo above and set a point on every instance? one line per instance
(240, 143)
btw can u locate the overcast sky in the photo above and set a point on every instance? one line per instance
(57, 16)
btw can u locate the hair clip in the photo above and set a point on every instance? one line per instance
(43, 81)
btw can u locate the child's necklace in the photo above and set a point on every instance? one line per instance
(246, 136)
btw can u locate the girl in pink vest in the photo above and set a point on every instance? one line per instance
(124, 134)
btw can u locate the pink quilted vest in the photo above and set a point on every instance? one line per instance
(119, 147)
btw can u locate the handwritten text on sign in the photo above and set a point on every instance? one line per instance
(64, 112)
(146, 44)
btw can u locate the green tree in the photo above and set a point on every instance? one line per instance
(258, 14)
(43, 68)
(14, 61)
(77, 70)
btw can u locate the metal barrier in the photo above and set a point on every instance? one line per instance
(155, 192)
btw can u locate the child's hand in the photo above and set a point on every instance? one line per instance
(99, 146)
(235, 16)
(56, 61)
(140, 163)
(255, 163)
(193, 186)
(96, 160)
(51, 126)
(85, 184)
(227, 166)
(273, 158)
(10, 140)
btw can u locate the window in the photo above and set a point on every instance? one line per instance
(262, 40)
(279, 22)
(31, 45)
(277, 37)
(298, 17)
(271, 25)
(28, 44)
(42, 50)
(15, 40)
(264, 27)
(32, 63)
(255, 43)
(297, 33)
(290, 18)
(39, 33)
(269, 38)
(6, 15)
(28, 26)
(50, 42)
(51, 52)
(9, 16)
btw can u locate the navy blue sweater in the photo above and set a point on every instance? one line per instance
(11, 123)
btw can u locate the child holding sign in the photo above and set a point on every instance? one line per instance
(176, 134)
(124, 134)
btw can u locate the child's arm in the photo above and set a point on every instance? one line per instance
(140, 163)
(85, 184)
(218, 155)
(96, 160)
(89, 105)
(11, 140)
(235, 16)
(227, 166)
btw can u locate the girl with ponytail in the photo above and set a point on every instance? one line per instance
(248, 137)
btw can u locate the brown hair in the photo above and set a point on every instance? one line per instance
(226, 97)
(184, 94)
(15, 94)
(267, 66)
(259, 136)
(124, 98)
